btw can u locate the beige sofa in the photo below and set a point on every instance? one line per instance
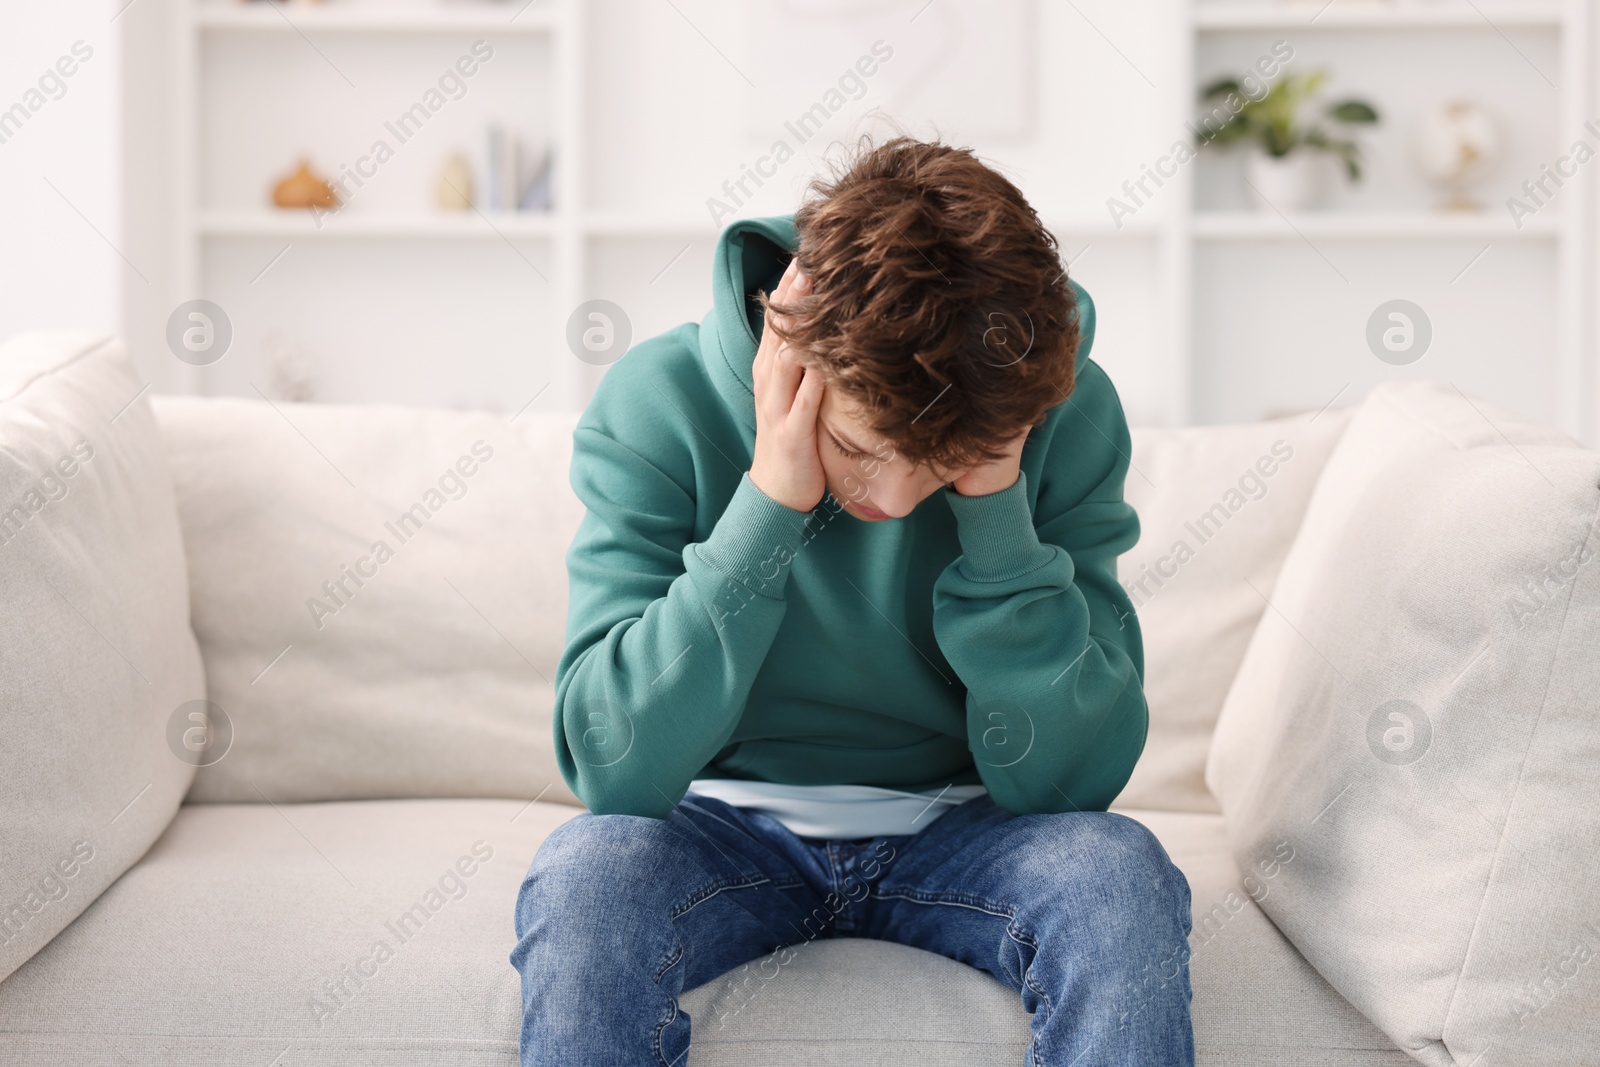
(1372, 644)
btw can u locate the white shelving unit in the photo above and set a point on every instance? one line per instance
(218, 232)
(1374, 14)
(399, 19)
(1355, 226)
(203, 228)
(1560, 236)
(603, 235)
(292, 224)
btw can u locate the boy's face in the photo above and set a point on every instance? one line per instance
(876, 483)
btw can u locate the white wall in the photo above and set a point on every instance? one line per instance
(85, 183)
(149, 189)
(57, 268)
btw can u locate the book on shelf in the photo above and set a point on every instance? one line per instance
(535, 191)
(515, 180)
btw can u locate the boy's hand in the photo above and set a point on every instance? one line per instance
(786, 466)
(994, 477)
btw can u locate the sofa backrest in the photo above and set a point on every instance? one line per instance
(378, 621)
(379, 594)
(1218, 508)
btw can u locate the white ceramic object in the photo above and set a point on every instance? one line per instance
(1289, 183)
(1457, 145)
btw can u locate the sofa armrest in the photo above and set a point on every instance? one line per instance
(97, 657)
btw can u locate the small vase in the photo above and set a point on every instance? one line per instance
(304, 188)
(454, 190)
(1288, 183)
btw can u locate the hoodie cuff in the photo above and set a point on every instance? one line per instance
(755, 541)
(998, 538)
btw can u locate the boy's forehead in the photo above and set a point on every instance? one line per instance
(844, 414)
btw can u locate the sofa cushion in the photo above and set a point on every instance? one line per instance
(1218, 508)
(379, 594)
(225, 946)
(250, 935)
(96, 655)
(1417, 715)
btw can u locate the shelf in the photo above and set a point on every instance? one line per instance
(1219, 225)
(469, 18)
(298, 224)
(1142, 224)
(621, 224)
(1354, 14)
(1269, 225)
(624, 224)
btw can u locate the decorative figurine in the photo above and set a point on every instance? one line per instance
(304, 189)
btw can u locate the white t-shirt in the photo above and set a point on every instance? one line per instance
(839, 811)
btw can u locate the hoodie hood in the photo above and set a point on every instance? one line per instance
(751, 254)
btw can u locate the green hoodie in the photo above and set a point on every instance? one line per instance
(715, 633)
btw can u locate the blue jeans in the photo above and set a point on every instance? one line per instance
(1083, 914)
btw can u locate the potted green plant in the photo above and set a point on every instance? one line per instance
(1287, 144)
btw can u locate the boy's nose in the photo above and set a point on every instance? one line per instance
(896, 498)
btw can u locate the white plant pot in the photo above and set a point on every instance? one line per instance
(1291, 183)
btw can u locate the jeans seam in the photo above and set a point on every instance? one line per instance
(672, 960)
(705, 893)
(1049, 1010)
(661, 1028)
(965, 900)
(1014, 930)
(698, 897)
(835, 882)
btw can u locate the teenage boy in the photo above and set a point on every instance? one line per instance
(846, 651)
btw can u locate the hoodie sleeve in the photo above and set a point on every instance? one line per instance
(664, 635)
(1033, 620)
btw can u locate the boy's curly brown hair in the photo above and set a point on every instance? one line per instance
(939, 305)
